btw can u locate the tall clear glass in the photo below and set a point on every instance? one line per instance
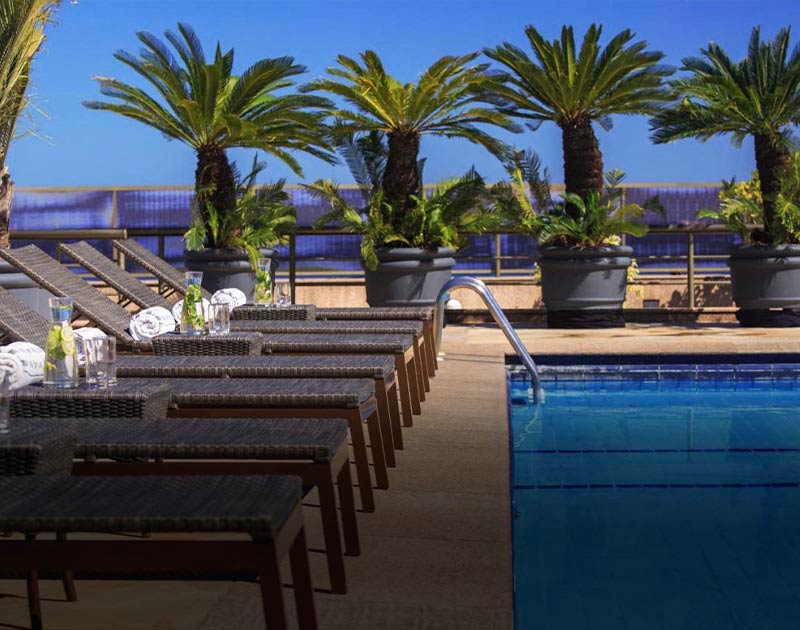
(101, 355)
(263, 292)
(193, 319)
(283, 292)
(219, 319)
(61, 355)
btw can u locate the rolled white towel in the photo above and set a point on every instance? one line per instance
(233, 297)
(178, 307)
(24, 363)
(84, 334)
(151, 322)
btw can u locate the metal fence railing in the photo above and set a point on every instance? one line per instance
(689, 259)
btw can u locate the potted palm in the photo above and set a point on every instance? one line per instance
(407, 259)
(427, 236)
(576, 87)
(205, 105)
(758, 97)
(584, 269)
(22, 26)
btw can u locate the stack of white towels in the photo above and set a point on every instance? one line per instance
(23, 363)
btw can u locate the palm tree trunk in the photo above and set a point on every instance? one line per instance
(214, 180)
(583, 162)
(6, 197)
(400, 176)
(771, 162)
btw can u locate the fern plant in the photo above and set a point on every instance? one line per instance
(261, 217)
(526, 202)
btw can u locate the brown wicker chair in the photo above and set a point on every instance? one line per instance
(267, 508)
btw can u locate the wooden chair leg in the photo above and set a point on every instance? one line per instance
(405, 390)
(430, 345)
(333, 543)
(378, 459)
(413, 385)
(421, 371)
(362, 465)
(70, 592)
(269, 581)
(422, 362)
(301, 578)
(384, 396)
(34, 599)
(347, 503)
(385, 422)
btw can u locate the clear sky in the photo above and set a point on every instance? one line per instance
(98, 148)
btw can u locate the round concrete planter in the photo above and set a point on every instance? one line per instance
(766, 285)
(584, 288)
(225, 268)
(409, 276)
(24, 289)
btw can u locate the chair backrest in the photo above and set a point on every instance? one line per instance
(113, 275)
(156, 265)
(19, 322)
(108, 316)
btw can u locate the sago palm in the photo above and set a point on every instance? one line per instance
(22, 24)
(447, 100)
(758, 96)
(576, 87)
(202, 103)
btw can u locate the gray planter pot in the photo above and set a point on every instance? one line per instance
(764, 279)
(24, 289)
(409, 276)
(584, 288)
(222, 269)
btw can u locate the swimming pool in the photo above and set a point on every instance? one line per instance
(657, 497)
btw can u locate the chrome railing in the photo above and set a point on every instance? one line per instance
(478, 286)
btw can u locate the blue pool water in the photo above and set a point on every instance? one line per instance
(646, 501)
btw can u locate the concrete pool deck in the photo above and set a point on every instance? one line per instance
(437, 551)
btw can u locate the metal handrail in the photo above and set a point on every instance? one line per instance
(479, 287)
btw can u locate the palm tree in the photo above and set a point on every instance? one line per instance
(205, 105)
(22, 24)
(447, 100)
(575, 88)
(759, 96)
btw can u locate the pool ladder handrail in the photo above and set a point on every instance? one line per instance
(479, 287)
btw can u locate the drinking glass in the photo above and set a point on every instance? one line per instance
(219, 319)
(5, 401)
(100, 357)
(283, 291)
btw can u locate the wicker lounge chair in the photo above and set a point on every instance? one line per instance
(398, 327)
(127, 286)
(398, 345)
(19, 323)
(315, 450)
(350, 399)
(252, 318)
(169, 278)
(265, 507)
(173, 278)
(111, 318)
(425, 314)
(114, 320)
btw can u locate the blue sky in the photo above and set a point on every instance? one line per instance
(88, 148)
